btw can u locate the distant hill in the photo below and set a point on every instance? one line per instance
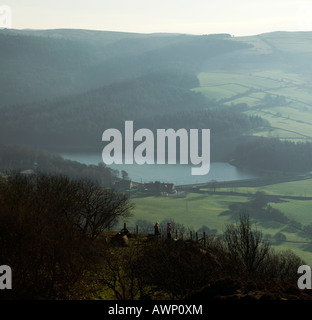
(287, 51)
(39, 65)
(153, 101)
(62, 88)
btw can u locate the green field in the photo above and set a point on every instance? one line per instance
(302, 188)
(290, 120)
(197, 210)
(194, 211)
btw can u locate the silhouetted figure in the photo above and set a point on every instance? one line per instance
(169, 230)
(157, 231)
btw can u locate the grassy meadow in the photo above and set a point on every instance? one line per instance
(197, 210)
(290, 118)
(194, 211)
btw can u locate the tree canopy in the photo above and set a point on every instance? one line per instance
(50, 229)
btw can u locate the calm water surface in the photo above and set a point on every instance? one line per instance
(171, 173)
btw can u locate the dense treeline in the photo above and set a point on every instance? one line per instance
(160, 100)
(50, 233)
(81, 119)
(259, 209)
(13, 158)
(273, 154)
(35, 68)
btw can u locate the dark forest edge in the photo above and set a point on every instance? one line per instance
(155, 101)
(54, 235)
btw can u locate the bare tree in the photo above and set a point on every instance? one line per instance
(119, 273)
(281, 266)
(99, 208)
(245, 245)
(49, 233)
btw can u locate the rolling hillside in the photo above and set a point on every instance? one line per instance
(62, 88)
(271, 80)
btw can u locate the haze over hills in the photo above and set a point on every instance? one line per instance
(43, 64)
(60, 89)
(40, 64)
(63, 88)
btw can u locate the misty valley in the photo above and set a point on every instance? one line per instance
(86, 172)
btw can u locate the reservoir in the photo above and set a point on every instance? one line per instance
(170, 173)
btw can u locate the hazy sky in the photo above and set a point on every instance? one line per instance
(237, 17)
